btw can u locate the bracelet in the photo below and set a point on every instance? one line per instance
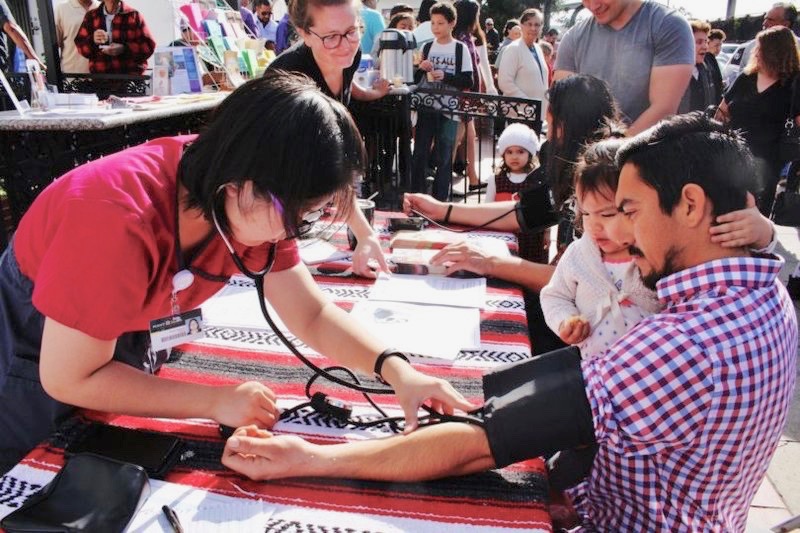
(447, 215)
(384, 355)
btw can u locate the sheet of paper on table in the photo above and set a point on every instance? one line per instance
(314, 251)
(199, 511)
(238, 306)
(418, 328)
(433, 290)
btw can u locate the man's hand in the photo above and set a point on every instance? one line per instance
(426, 65)
(257, 454)
(425, 205)
(100, 37)
(574, 330)
(746, 227)
(464, 256)
(247, 403)
(113, 49)
(437, 75)
(367, 249)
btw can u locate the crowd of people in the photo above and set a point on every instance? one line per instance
(662, 302)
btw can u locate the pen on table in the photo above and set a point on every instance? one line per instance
(172, 518)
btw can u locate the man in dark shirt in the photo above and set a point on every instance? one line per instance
(11, 29)
(701, 92)
(492, 37)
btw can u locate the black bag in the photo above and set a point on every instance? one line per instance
(786, 208)
(91, 493)
(789, 143)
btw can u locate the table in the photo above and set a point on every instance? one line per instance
(513, 498)
(36, 150)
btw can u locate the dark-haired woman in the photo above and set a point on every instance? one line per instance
(329, 53)
(759, 101)
(151, 233)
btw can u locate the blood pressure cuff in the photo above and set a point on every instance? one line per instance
(537, 407)
(536, 209)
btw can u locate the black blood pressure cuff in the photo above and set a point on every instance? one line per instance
(537, 407)
(536, 209)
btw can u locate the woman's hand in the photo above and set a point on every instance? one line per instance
(366, 249)
(464, 256)
(381, 87)
(413, 388)
(745, 227)
(247, 403)
(574, 330)
(425, 205)
(257, 454)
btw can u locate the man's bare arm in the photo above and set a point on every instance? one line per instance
(428, 453)
(667, 86)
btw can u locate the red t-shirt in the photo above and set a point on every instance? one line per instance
(99, 244)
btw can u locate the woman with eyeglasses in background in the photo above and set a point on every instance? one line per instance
(152, 232)
(329, 53)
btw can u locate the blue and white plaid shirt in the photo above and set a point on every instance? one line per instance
(688, 406)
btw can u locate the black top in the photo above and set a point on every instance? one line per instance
(702, 92)
(716, 75)
(300, 59)
(761, 116)
(493, 38)
(5, 16)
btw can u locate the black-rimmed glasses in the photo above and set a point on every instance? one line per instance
(333, 40)
(307, 220)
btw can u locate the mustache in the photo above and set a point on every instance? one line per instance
(634, 251)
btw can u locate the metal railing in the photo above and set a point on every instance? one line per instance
(388, 134)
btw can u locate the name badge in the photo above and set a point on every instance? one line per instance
(176, 329)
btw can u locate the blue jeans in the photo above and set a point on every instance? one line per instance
(432, 126)
(28, 414)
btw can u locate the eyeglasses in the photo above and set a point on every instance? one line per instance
(306, 222)
(335, 39)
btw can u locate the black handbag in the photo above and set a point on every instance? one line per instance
(786, 208)
(789, 143)
(90, 493)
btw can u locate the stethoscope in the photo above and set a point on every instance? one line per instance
(185, 277)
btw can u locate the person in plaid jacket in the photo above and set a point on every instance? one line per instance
(115, 39)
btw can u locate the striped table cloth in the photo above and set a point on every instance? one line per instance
(513, 498)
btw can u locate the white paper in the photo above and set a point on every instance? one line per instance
(418, 328)
(434, 290)
(199, 511)
(236, 306)
(313, 251)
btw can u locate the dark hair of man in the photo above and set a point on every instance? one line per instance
(692, 148)
(266, 132)
(717, 34)
(580, 106)
(299, 15)
(444, 9)
(530, 13)
(777, 54)
(259, 3)
(510, 23)
(400, 8)
(551, 31)
(789, 12)
(424, 13)
(466, 17)
(699, 26)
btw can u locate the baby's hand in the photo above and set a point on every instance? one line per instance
(574, 330)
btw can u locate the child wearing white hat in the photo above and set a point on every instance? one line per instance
(518, 145)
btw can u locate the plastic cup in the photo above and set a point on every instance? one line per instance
(368, 208)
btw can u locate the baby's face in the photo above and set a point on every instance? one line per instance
(598, 212)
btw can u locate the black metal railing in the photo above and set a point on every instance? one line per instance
(104, 85)
(386, 128)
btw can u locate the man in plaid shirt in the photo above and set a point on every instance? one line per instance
(686, 409)
(115, 39)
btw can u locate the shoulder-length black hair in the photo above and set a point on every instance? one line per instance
(283, 134)
(580, 105)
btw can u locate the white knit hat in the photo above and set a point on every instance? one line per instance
(518, 135)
